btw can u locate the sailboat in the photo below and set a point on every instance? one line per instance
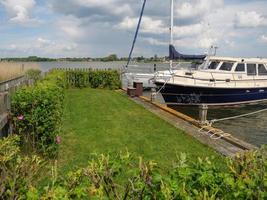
(147, 78)
(218, 81)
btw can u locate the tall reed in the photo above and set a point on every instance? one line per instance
(9, 70)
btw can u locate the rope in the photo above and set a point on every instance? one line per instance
(218, 134)
(237, 116)
(136, 33)
(213, 133)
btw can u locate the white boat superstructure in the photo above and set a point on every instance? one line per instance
(219, 80)
(221, 72)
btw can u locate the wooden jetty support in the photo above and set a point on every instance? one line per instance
(203, 113)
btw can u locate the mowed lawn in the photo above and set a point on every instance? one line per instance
(104, 121)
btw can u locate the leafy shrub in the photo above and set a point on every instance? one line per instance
(18, 173)
(123, 177)
(37, 113)
(109, 79)
(34, 74)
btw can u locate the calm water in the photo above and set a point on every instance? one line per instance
(252, 129)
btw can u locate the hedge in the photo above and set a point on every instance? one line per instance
(124, 176)
(37, 112)
(109, 79)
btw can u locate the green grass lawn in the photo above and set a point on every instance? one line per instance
(103, 121)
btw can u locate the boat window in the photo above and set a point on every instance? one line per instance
(213, 65)
(240, 67)
(251, 69)
(262, 70)
(226, 66)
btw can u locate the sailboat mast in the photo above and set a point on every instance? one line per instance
(171, 29)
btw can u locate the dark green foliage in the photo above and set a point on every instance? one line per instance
(37, 113)
(29, 59)
(109, 79)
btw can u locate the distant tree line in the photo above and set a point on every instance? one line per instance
(109, 58)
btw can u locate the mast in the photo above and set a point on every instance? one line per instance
(171, 29)
(136, 33)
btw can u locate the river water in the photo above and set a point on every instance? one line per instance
(252, 129)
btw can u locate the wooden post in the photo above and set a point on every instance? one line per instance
(131, 91)
(203, 113)
(153, 94)
(139, 88)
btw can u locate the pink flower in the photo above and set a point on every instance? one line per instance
(58, 139)
(20, 117)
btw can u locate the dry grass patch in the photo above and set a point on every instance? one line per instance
(9, 70)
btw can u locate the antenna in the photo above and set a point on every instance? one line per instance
(215, 50)
(171, 29)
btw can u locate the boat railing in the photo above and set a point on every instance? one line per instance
(215, 81)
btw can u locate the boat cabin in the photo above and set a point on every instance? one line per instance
(250, 67)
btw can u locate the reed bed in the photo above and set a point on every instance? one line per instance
(9, 70)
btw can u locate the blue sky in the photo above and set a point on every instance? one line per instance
(94, 28)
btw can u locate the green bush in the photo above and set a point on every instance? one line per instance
(18, 173)
(109, 79)
(123, 176)
(34, 74)
(37, 113)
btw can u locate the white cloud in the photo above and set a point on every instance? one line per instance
(43, 41)
(264, 38)
(111, 5)
(71, 26)
(19, 11)
(188, 30)
(154, 41)
(42, 47)
(148, 25)
(249, 19)
(198, 8)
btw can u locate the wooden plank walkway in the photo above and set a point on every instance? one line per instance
(228, 146)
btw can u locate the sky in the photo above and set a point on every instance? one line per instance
(96, 28)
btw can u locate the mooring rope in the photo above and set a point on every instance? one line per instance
(213, 133)
(218, 134)
(237, 116)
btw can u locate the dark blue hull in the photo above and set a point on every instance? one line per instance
(186, 95)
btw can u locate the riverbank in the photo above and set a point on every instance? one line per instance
(104, 121)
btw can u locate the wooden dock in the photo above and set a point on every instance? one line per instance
(228, 145)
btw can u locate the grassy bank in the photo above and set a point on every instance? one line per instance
(103, 121)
